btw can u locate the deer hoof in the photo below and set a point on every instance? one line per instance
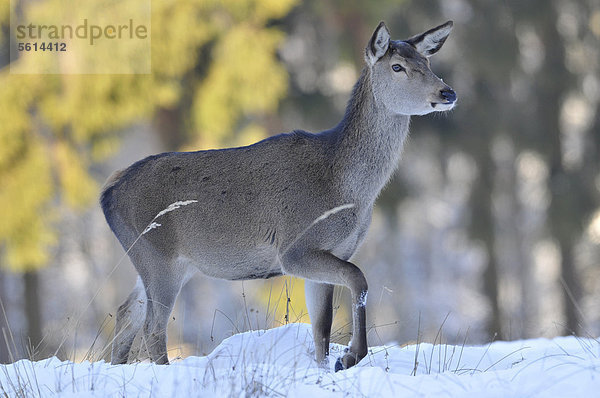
(347, 361)
(338, 365)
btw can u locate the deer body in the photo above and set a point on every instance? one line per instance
(259, 210)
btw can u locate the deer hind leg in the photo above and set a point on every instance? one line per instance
(319, 300)
(130, 318)
(324, 267)
(162, 287)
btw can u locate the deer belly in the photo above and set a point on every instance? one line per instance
(237, 264)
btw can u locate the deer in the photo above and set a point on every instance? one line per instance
(296, 204)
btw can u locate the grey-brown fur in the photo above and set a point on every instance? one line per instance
(257, 205)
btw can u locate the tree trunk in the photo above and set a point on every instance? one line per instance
(572, 286)
(565, 214)
(32, 312)
(483, 228)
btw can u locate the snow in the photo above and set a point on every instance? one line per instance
(279, 362)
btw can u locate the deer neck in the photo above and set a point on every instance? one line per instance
(367, 144)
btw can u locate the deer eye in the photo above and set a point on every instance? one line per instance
(398, 68)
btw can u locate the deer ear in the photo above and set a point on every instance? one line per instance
(378, 45)
(430, 42)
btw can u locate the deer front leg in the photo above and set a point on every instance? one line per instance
(319, 300)
(359, 335)
(324, 267)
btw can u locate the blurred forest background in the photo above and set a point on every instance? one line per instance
(489, 230)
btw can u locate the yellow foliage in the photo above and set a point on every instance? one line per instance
(27, 248)
(179, 30)
(284, 300)
(257, 12)
(271, 9)
(25, 227)
(78, 187)
(250, 134)
(243, 79)
(53, 127)
(25, 178)
(17, 95)
(89, 106)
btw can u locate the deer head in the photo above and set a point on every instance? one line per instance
(402, 79)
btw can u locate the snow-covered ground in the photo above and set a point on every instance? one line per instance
(279, 362)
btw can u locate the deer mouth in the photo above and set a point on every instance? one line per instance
(448, 98)
(443, 105)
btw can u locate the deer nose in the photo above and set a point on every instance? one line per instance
(448, 94)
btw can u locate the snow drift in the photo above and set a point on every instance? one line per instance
(279, 362)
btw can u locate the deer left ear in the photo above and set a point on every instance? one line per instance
(378, 45)
(430, 42)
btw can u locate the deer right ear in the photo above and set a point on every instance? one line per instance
(430, 42)
(378, 45)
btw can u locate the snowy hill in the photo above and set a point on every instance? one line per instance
(279, 362)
